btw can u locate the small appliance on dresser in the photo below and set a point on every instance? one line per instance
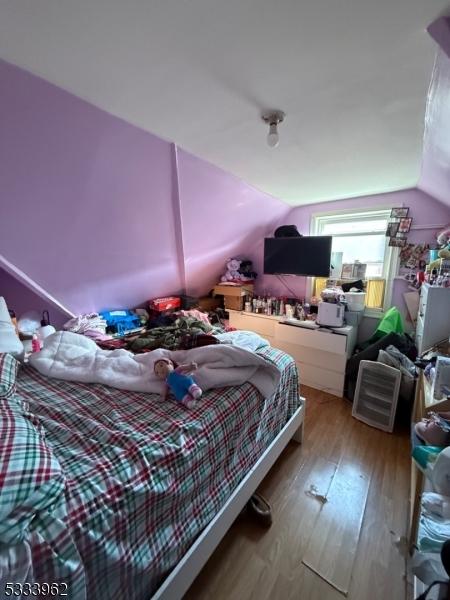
(330, 314)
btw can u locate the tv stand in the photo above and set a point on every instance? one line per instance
(320, 353)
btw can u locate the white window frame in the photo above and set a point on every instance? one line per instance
(391, 254)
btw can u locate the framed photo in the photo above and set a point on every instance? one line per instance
(400, 212)
(405, 225)
(347, 271)
(359, 270)
(401, 235)
(397, 242)
(392, 229)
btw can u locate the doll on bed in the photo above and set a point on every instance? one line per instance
(179, 380)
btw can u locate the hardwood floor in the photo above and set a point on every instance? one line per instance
(339, 455)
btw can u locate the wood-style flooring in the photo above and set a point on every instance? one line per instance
(254, 563)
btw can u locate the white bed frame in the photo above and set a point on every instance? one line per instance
(182, 576)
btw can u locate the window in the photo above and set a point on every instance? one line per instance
(360, 250)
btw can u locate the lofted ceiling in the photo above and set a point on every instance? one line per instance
(352, 76)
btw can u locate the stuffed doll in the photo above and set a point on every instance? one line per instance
(179, 381)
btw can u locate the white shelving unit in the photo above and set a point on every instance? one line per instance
(423, 402)
(433, 320)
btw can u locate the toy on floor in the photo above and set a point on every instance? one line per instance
(179, 381)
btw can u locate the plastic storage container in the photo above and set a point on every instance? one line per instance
(376, 394)
(355, 300)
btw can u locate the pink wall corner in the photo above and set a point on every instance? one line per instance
(221, 217)
(435, 174)
(87, 209)
(21, 299)
(428, 216)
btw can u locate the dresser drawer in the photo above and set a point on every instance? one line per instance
(302, 355)
(321, 379)
(320, 340)
(248, 322)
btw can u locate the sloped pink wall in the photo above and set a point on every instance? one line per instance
(21, 299)
(98, 212)
(222, 217)
(435, 174)
(87, 206)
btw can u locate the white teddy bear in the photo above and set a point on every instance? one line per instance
(232, 273)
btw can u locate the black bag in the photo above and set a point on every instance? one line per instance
(287, 231)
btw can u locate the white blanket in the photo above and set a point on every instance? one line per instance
(74, 357)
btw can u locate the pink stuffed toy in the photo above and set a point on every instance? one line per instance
(232, 272)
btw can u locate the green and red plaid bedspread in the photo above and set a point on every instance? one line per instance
(143, 476)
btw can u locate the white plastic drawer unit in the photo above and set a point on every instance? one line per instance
(376, 394)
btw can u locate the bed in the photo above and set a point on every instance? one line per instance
(144, 489)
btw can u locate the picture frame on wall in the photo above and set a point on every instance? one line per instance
(392, 229)
(404, 225)
(397, 242)
(399, 212)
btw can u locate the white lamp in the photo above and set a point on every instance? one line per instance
(273, 118)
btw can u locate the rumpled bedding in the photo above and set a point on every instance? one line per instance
(73, 357)
(144, 476)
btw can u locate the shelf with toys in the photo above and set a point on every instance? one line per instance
(429, 486)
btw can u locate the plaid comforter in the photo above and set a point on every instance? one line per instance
(143, 477)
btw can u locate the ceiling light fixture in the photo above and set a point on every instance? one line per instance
(273, 119)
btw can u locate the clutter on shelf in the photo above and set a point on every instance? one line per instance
(429, 263)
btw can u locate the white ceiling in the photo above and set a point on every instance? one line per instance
(352, 76)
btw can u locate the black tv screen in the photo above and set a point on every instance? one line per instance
(298, 256)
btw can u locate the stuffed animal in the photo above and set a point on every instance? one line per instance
(179, 381)
(232, 272)
(246, 271)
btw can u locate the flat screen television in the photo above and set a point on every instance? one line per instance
(309, 256)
